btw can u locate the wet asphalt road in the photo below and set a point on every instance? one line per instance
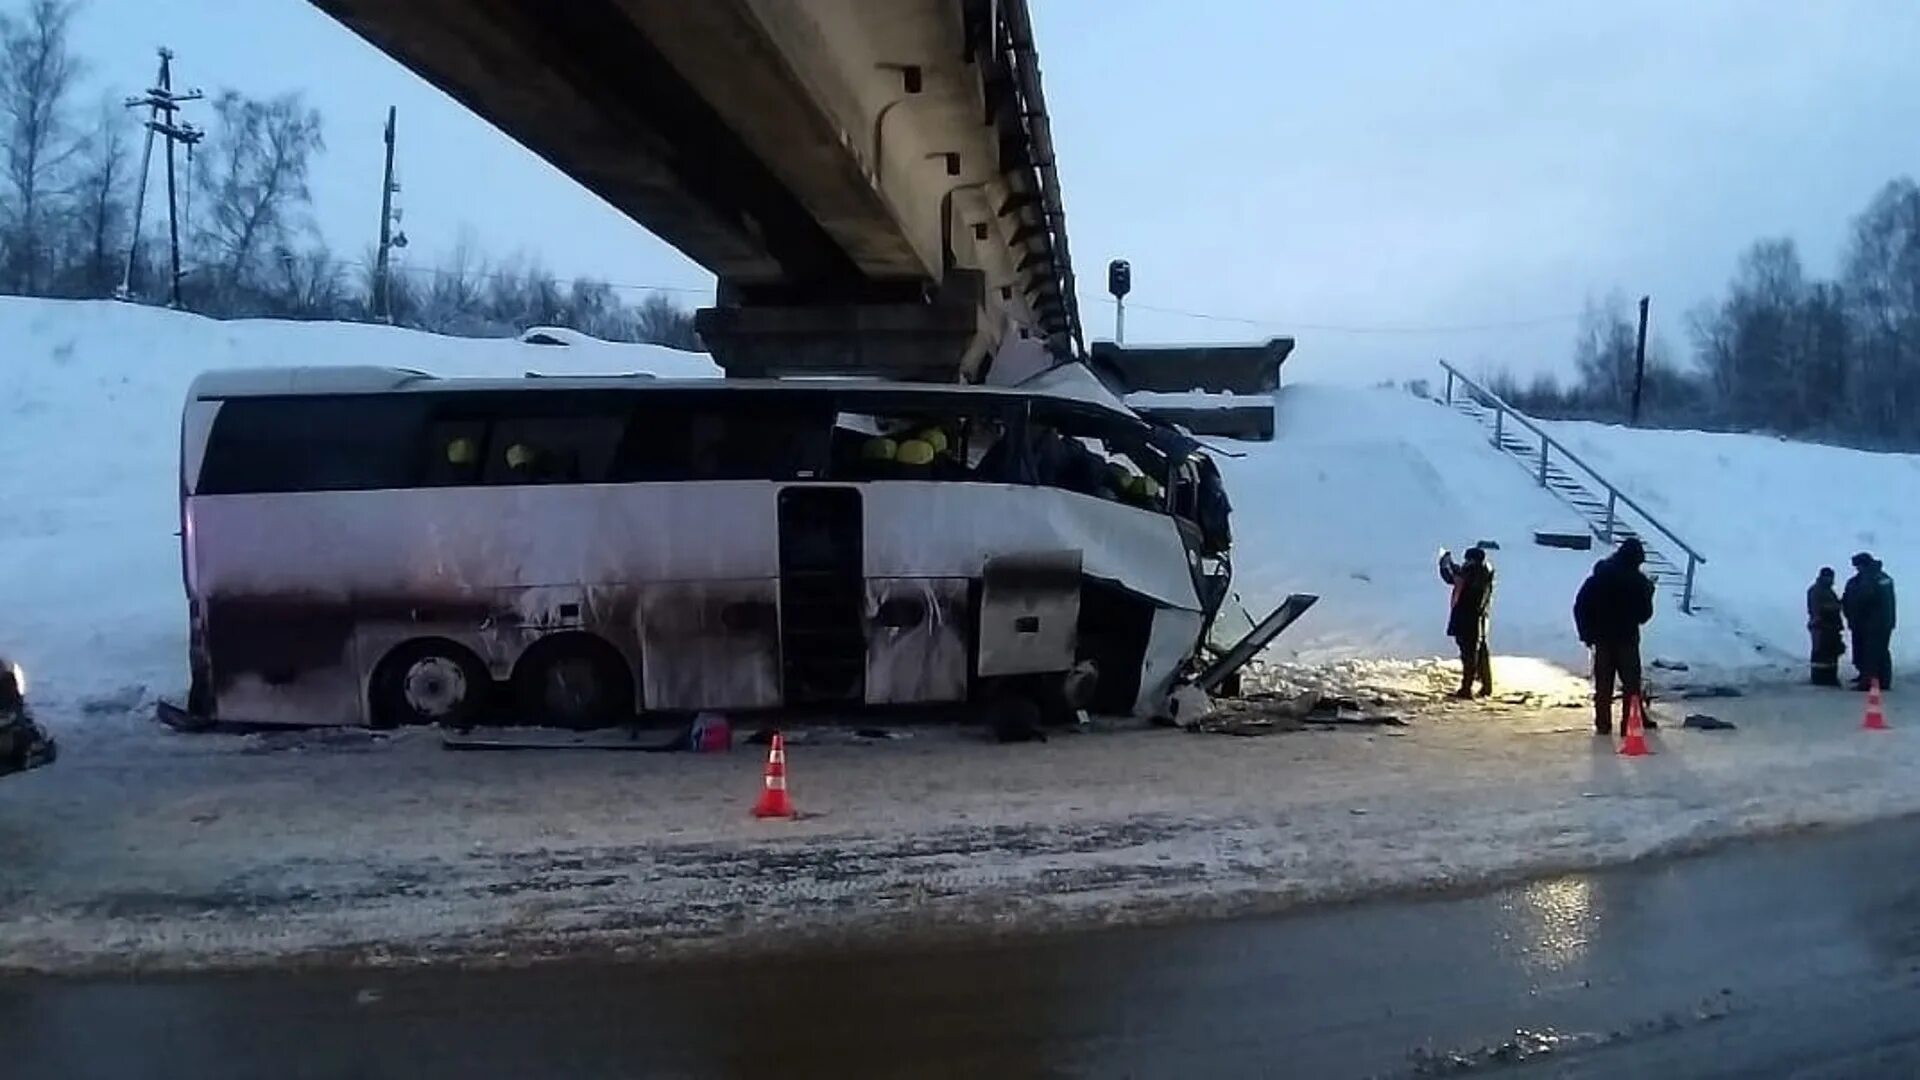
(1795, 957)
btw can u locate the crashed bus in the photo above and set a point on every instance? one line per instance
(380, 547)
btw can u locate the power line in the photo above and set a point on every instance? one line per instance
(496, 275)
(1338, 328)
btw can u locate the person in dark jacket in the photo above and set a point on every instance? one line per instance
(1824, 627)
(1468, 617)
(1612, 606)
(1868, 606)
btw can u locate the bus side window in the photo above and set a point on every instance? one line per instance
(552, 449)
(456, 453)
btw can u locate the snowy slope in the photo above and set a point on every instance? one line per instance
(1354, 499)
(90, 591)
(1768, 513)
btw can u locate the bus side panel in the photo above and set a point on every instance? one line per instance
(917, 630)
(710, 645)
(463, 542)
(1175, 637)
(282, 660)
(932, 529)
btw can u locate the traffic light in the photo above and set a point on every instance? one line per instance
(1119, 278)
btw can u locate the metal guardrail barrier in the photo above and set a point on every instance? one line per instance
(1549, 445)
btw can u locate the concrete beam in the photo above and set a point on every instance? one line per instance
(934, 341)
(1179, 369)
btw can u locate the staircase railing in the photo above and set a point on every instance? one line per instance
(1502, 413)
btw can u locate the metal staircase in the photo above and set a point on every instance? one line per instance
(1610, 513)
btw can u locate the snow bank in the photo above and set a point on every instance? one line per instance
(1767, 513)
(1354, 499)
(89, 437)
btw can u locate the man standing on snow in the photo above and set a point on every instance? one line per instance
(1823, 625)
(1869, 608)
(1468, 617)
(1615, 602)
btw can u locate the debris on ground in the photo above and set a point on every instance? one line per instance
(1662, 664)
(1272, 713)
(1689, 693)
(1704, 722)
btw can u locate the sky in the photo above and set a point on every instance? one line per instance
(1389, 183)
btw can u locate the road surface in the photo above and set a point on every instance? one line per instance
(1791, 957)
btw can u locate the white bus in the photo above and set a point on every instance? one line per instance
(372, 546)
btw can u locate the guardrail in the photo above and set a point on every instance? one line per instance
(1549, 445)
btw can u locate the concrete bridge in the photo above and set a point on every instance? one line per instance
(873, 183)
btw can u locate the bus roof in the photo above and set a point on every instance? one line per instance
(1080, 386)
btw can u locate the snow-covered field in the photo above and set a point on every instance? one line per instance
(145, 846)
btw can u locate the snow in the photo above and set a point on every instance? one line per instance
(1767, 513)
(1353, 501)
(144, 846)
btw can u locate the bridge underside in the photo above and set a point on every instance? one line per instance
(872, 183)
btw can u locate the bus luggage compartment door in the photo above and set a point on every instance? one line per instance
(1029, 613)
(710, 645)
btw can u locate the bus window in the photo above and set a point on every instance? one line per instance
(456, 453)
(730, 441)
(1099, 458)
(552, 449)
(919, 446)
(312, 444)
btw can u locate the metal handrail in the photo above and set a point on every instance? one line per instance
(1547, 442)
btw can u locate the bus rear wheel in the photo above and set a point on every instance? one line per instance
(429, 681)
(573, 681)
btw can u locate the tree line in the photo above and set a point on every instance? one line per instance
(1780, 351)
(249, 246)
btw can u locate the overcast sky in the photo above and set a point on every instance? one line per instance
(1318, 169)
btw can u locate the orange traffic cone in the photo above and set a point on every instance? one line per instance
(1635, 743)
(773, 797)
(1876, 715)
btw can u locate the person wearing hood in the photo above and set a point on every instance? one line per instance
(1468, 617)
(1868, 606)
(1611, 607)
(1824, 626)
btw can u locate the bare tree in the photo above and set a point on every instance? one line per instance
(1882, 293)
(593, 309)
(660, 321)
(37, 79)
(101, 209)
(451, 303)
(253, 179)
(311, 284)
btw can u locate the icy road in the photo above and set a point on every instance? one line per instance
(150, 849)
(1789, 958)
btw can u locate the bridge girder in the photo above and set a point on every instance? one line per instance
(810, 153)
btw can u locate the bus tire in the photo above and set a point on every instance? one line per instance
(428, 681)
(573, 680)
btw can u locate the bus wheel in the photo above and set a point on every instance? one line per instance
(573, 681)
(429, 681)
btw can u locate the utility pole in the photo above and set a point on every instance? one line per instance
(1640, 361)
(382, 269)
(161, 104)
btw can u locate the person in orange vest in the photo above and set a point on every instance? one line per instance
(1469, 616)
